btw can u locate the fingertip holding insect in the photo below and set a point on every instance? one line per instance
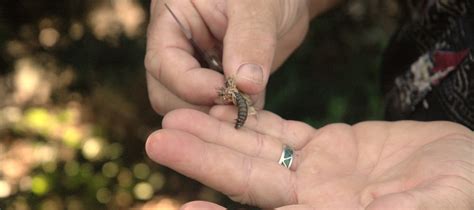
(230, 94)
(219, 101)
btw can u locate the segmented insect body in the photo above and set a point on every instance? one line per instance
(242, 110)
(230, 94)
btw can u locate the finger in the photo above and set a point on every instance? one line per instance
(213, 12)
(199, 205)
(187, 79)
(258, 100)
(169, 56)
(288, 42)
(249, 43)
(161, 20)
(212, 130)
(163, 101)
(214, 15)
(242, 178)
(153, 9)
(293, 133)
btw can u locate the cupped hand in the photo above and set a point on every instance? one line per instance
(372, 165)
(257, 36)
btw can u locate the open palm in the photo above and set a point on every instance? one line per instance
(373, 165)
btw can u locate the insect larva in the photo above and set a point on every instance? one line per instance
(230, 94)
(242, 110)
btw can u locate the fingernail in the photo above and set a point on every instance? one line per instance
(151, 146)
(251, 72)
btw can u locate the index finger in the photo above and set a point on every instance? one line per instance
(294, 133)
(243, 178)
(169, 57)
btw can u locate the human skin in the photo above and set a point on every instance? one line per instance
(369, 165)
(260, 33)
(373, 165)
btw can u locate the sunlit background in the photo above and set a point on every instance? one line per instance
(74, 113)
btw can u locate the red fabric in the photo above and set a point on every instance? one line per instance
(443, 59)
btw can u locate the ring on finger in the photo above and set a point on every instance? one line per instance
(286, 158)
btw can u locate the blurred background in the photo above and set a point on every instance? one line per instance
(74, 112)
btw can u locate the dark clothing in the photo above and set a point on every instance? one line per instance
(428, 69)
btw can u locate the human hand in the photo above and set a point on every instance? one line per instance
(259, 33)
(373, 165)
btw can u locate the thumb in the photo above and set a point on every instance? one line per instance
(249, 43)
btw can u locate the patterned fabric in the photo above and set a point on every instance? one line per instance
(428, 69)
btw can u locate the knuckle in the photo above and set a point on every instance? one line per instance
(169, 119)
(157, 102)
(333, 131)
(260, 145)
(176, 118)
(185, 92)
(158, 106)
(243, 191)
(151, 62)
(254, 34)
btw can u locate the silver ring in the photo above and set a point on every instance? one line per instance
(286, 158)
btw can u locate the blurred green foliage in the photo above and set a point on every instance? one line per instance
(74, 112)
(334, 75)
